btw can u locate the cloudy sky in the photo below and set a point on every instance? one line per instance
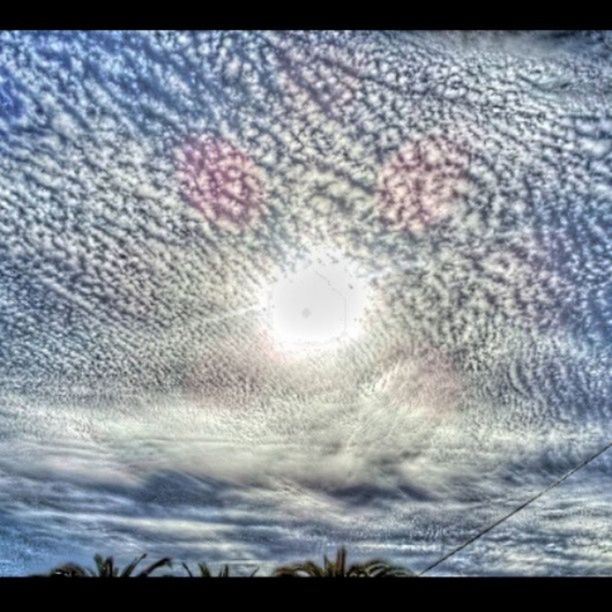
(266, 293)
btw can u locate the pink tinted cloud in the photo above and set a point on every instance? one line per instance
(420, 183)
(220, 180)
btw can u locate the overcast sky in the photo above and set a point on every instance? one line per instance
(155, 189)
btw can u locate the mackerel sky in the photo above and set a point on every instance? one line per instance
(154, 189)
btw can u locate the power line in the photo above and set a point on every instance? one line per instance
(517, 509)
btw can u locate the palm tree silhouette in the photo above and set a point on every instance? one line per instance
(205, 572)
(339, 569)
(106, 568)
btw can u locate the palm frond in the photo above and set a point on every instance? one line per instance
(380, 569)
(165, 562)
(127, 572)
(100, 565)
(105, 567)
(70, 570)
(308, 568)
(187, 569)
(224, 572)
(338, 568)
(204, 571)
(357, 571)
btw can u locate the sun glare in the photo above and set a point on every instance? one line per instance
(319, 306)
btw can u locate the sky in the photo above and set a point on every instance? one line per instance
(266, 293)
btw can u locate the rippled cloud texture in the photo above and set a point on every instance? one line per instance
(154, 186)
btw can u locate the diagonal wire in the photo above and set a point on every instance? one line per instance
(517, 509)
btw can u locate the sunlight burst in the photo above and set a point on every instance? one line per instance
(319, 306)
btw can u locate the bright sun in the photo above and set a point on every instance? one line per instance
(317, 307)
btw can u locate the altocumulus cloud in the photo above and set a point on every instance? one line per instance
(153, 186)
